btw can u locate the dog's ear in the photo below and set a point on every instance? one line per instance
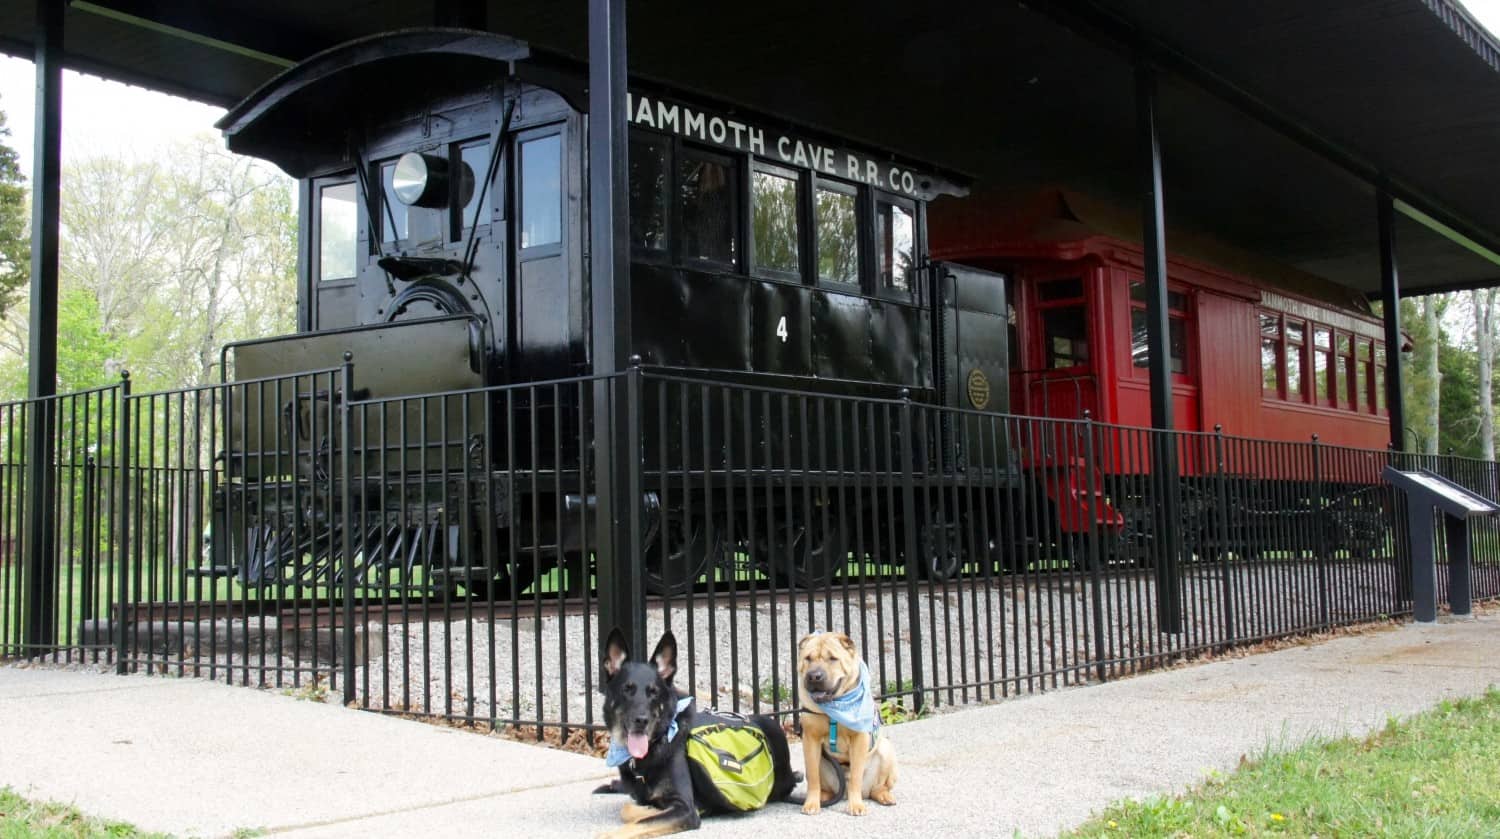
(848, 643)
(665, 657)
(614, 655)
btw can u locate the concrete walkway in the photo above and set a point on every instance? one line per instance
(195, 758)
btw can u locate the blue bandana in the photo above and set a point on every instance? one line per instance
(855, 709)
(618, 755)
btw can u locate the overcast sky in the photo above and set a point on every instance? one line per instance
(102, 116)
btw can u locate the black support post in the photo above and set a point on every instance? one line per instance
(1390, 304)
(1164, 446)
(1423, 558)
(1460, 563)
(41, 540)
(622, 603)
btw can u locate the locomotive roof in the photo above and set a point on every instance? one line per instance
(303, 118)
(1278, 118)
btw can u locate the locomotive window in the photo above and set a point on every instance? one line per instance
(1065, 329)
(649, 188)
(475, 160)
(393, 218)
(838, 235)
(337, 223)
(775, 196)
(541, 191)
(1270, 325)
(895, 241)
(706, 204)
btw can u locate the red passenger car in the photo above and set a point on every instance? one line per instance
(1261, 349)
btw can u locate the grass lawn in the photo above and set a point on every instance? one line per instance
(1437, 775)
(22, 819)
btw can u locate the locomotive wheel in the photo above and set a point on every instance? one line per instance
(940, 551)
(816, 555)
(686, 557)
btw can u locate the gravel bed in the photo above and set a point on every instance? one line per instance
(997, 637)
(980, 640)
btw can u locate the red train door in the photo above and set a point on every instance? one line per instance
(1057, 375)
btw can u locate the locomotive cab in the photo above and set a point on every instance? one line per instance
(443, 202)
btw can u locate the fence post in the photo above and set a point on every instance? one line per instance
(1401, 536)
(908, 443)
(122, 527)
(346, 507)
(1221, 493)
(41, 527)
(90, 537)
(1092, 549)
(1167, 541)
(1320, 535)
(617, 478)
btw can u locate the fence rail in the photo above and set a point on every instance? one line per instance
(440, 554)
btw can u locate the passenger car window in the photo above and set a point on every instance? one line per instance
(774, 203)
(337, 228)
(1177, 313)
(541, 191)
(1296, 359)
(1065, 329)
(1270, 354)
(895, 243)
(838, 235)
(706, 204)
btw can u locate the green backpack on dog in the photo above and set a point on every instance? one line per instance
(731, 760)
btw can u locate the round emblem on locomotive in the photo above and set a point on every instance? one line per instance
(979, 389)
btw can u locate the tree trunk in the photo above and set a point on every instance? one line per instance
(1484, 342)
(1432, 377)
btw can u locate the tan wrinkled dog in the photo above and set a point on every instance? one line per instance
(829, 670)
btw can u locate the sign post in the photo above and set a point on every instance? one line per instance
(1428, 494)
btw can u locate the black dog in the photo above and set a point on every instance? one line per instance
(640, 706)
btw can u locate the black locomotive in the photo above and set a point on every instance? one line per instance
(444, 230)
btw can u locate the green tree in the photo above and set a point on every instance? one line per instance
(1422, 319)
(15, 244)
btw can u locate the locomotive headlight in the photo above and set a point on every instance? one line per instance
(421, 180)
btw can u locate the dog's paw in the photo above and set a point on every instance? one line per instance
(885, 797)
(611, 788)
(812, 807)
(856, 808)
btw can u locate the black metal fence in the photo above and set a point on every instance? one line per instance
(439, 554)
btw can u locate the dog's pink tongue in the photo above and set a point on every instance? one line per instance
(637, 745)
